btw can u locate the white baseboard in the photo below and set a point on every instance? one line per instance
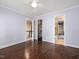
(48, 41)
(8, 45)
(74, 46)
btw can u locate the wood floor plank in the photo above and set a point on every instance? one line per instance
(41, 50)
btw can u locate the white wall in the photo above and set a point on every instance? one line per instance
(11, 28)
(71, 26)
(45, 30)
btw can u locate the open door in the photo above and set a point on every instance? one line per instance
(40, 30)
(59, 30)
(29, 29)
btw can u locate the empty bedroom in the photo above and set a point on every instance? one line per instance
(39, 29)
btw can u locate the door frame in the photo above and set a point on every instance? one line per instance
(26, 27)
(54, 40)
(41, 38)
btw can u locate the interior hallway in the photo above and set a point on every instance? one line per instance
(39, 50)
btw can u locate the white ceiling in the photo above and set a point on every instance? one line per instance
(24, 6)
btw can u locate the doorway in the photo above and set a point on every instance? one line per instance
(40, 30)
(29, 29)
(59, 30)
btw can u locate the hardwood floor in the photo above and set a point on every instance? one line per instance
(59, 41)
(41, 50)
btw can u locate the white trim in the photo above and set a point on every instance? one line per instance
(69, 45)
(8, 45)
(66, 9)
(54, 25)
(27, 19)
(58, 11)
(74, 46)
(10, 9)
(51, 41)
(54, 29)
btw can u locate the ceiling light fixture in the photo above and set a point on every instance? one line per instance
(34, 4)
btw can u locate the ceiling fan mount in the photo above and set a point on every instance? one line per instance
(34, 3)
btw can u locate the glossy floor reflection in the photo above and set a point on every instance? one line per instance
(39, 50)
